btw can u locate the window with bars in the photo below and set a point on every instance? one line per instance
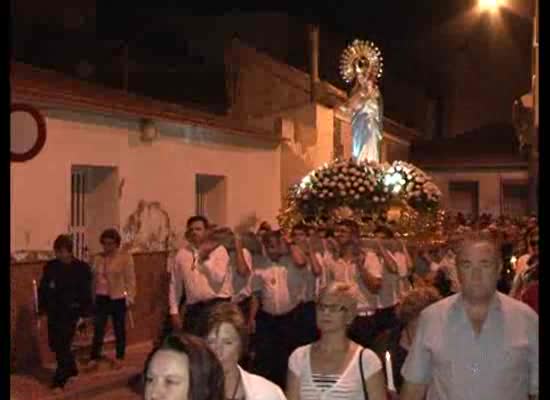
(94, 206)
(77, 229)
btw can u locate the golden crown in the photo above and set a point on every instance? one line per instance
(359, 57)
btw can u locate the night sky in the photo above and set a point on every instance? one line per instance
(445, 49)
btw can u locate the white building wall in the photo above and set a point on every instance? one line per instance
(490, 187)
(162, 171)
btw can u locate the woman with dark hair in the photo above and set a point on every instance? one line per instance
(183, 368)
(115, 291)
(227, 336)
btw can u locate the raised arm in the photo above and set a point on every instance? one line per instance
(316, 267)
(408, 258)
(244, 268)
(371, 272)
(216, 266)
(389, 262)
(298, 256)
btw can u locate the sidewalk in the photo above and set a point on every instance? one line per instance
(88, 385)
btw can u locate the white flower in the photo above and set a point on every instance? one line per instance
(343, 193)
(352, 192)
(348, 184)
(341, 186)
(361, 189)
(375, 199)
(330, 194)
(326, 181)
(322, 195)
(332, 184)
(356, 197)
(345, 170)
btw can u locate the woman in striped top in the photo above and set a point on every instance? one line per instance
(331, 367)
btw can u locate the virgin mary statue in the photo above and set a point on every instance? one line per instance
(362, 63)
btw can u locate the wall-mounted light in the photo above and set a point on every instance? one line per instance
(149, 131)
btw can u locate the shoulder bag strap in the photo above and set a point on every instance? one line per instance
(365, 393)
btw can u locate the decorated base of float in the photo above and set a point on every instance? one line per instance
(398, 196)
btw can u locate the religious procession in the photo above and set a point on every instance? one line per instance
(364, 286)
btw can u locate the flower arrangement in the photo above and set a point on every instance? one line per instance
(413, 185)
(364, 192)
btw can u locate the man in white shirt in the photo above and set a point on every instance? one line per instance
(201, 272)
(278, 283)
(398, 268)
(477, 344)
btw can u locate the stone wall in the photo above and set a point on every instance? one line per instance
(28, 335)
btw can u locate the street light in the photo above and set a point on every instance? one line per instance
(489, 5)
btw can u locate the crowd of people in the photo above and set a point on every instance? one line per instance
(320, 313)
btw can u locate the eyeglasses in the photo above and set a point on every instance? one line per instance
(332, 308)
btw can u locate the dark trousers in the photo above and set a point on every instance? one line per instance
(244, 306)
(385, 319)
(246, 359)
(307, 323)
(363, 330)
(277, 336)
(116, 309)
(61, 330)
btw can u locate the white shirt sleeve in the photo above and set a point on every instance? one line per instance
(257, 282)
(373, 264)
(296, 361)
(247, 259)
(217, 265)
(418, 364)
(371, 363)
(533, 337)
(401, 261)
(175, 289)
